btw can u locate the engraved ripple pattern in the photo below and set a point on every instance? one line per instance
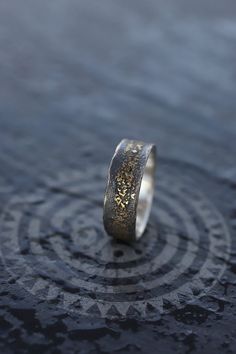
(54, 244)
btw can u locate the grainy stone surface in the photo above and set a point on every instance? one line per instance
(75, 78)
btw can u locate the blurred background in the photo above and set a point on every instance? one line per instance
(78, 76)
(73, 71)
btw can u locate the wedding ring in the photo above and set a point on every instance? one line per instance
(130, 190)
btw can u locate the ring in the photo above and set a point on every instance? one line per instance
(130, 189)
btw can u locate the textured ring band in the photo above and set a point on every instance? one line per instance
(130, 190)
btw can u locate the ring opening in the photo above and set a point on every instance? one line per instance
(145, 196)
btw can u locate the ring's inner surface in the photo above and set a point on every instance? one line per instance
(145, 196)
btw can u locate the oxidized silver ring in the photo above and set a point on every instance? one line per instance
(130, 190)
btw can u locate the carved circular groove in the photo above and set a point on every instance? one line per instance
(54, 245)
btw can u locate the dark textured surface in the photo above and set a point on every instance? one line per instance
(75, 78)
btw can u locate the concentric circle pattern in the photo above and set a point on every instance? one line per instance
(54, 245)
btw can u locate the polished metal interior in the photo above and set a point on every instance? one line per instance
(145, 196)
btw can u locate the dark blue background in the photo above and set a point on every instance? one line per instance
(75, 78)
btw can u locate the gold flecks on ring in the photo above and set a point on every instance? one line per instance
(125, 191)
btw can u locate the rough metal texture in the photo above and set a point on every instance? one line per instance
(123, 188)
(75, 78)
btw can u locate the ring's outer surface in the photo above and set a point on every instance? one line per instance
(130, 190)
